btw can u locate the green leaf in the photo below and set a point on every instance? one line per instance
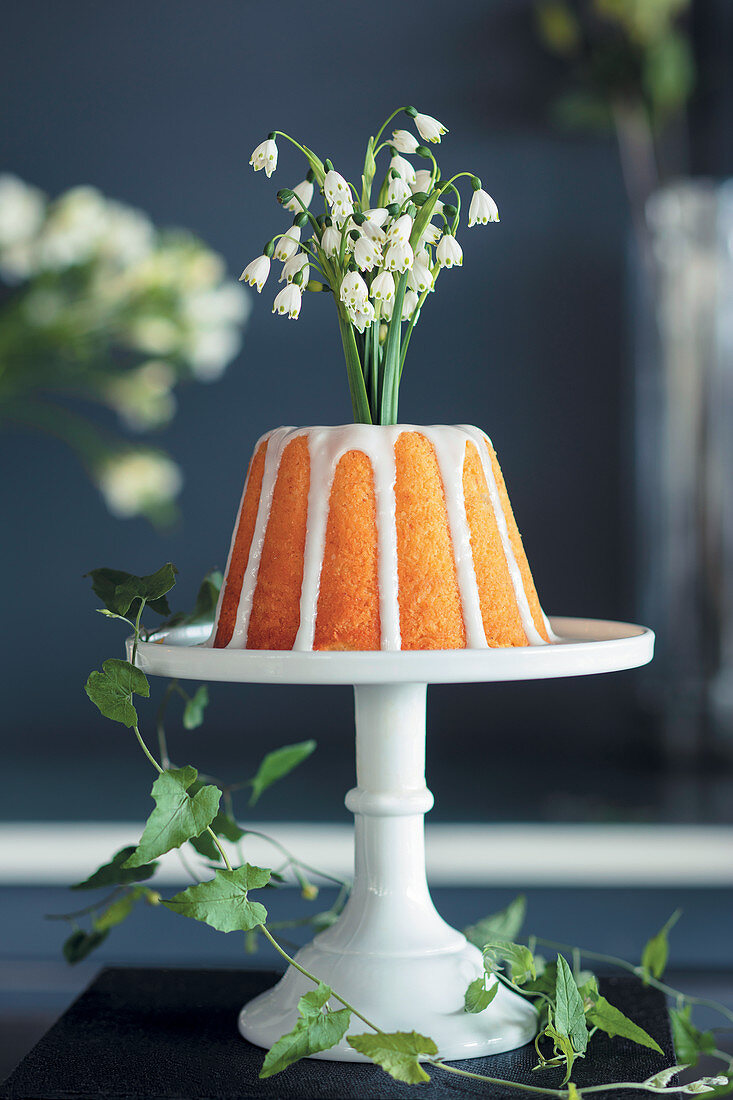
(115, 874)
(689, 1041)
(661, 1080)
(117, 590)
(80, 944)
(613, 1022)
(516, 956)
(222, 825)
(478, 997)
(222, 902)
(193, 712)
(397, 1053)
(564, 1047)
(112, 689)
(118, 911)
(656, 951)
(278, 764)
(207, 598)
(177, 815)
(504, 925)
(569, 1007)
(317, 1029)
(545, 981)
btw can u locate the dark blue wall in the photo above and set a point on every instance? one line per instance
(159, 104)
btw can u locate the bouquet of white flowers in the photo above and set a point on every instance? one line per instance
(379, 260)
(102, 308)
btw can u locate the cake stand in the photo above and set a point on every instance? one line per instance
(390, 954)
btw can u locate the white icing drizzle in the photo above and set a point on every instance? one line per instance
(450, 452)
(483, 443)
(326, 447)
(275, 446)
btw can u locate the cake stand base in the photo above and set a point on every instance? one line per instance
(390, 954)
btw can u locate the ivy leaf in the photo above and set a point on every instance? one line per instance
(569, 1007)
(278, 764)
(118, 911)
(117, 590)
(563, 1047)
(656, 951)
(112, 689)
(689, 1042)
(80, 944)
(222, 902)
(504, 925)
(614, 1022)
(317, 1029)
(397, 1053)
(516, 956)
(115, 874)
(193, 712)
(478, 997)
(661, 1080)
(177, 816)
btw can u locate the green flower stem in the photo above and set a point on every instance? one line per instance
(316, 981)
(384, 126)
(563, 1093)
(357, 389)
(638, 972)
(293, 860)
(137, 630)
(88, 909)
(309, 155)
(391, 358)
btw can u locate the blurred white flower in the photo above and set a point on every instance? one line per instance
(142, 398)
(256, 272)
(265, 156)
(287, 246)
(354, 291)
(398, 190)
(483, 209)
(128, 235)
(138, 482)
(22, 210)
(398, 257)
(73, 229)
(331, 241)
(449, 253)
(296, 263)
(209, 351)
(288, 301)
(367, 254)
(404, 168)
(382, 288)
(153, 335)
(429, 128)
(303, 191)
(227, 304)
(404, 141)
(44, 306)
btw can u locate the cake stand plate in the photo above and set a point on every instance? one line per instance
(390, 954)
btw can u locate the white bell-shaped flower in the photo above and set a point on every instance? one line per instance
(382, 288)
(302, 191)
(420, 277)
(367, 254)
(291, 267)
(354, 291)
(404, 168)
(331, 241)
(398, 257)
(429, 128)
(449, 253)
(398, 190)
(409, 305)
(404, 141)
(256, 272)
(377, 216)
(287, 246)
(362, 318)
(483, 209)
(422, 181)
(401, 230)
(265, 156)
(335, 187)
(288, 301)
(431, 234)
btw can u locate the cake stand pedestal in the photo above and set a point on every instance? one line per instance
(390, 954)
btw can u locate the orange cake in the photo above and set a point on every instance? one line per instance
(376, 537)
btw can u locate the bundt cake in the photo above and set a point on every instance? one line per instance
(367, 537)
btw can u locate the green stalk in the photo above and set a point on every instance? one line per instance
(357, 389)
(391, 358)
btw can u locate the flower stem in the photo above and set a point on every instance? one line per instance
(357, 389)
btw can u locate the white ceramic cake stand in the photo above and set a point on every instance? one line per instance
(390, 954)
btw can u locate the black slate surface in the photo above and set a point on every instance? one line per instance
(155, 1034)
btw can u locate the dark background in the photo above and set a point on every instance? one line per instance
(160, 104)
